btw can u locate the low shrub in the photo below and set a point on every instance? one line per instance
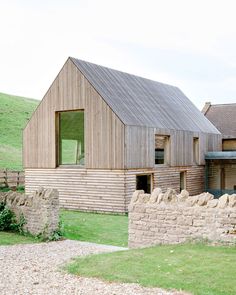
(8, 220)
(20, 189)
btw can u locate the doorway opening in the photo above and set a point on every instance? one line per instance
(144, 182)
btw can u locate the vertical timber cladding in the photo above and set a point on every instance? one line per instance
(104, 132)
(96, 186)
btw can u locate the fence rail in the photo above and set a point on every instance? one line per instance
(11, 178)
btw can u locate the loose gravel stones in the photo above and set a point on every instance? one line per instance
(34, 269)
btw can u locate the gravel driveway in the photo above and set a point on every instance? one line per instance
(34, 269)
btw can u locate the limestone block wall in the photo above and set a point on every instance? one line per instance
(40, 209)
(170, 218)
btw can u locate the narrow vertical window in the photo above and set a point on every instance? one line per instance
(182, 184)
(196, 150)
(161, 149)
(71, 138)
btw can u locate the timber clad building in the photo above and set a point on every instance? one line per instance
(99, 134)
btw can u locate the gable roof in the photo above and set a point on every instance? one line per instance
(143, 102)
(223, 116)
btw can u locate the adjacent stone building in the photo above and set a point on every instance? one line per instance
(221, 166)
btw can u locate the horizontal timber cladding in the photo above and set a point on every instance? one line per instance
(168, 177)
(104, 132)
(107, 190)
(82, 189)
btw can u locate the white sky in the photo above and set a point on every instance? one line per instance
(190, 44)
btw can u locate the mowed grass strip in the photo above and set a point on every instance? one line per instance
(10, 238)
(199, 269)
(97, 228)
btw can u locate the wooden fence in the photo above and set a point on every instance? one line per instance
(11, 178)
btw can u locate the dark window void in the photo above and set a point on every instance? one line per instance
(159, 156)
(161, 149)
(182, 184)
(144, 182)
(71, 138)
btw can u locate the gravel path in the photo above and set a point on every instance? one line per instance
(34, 269)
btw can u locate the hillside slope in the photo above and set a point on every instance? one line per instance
(15, 111)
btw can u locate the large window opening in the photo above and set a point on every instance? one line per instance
(144, 182)
(161, 149)
(71, 138)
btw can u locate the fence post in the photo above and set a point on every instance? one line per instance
(18, 179)
(5, 177)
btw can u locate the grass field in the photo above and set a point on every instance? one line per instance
(14, 113)
(200, 269)
(96, 228)
(8, 238)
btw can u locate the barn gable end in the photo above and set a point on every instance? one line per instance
(104, 132)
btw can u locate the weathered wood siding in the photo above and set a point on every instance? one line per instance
(168, 177)
(104, 132)
(181, 151)
(139, 147)
(107, 190)
(83, 189)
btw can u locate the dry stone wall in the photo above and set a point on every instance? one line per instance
(170, 218)
(40, 210)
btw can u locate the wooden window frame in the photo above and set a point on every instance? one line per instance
(166, 149)
(57, 134)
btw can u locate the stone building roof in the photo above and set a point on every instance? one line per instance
(223, 116)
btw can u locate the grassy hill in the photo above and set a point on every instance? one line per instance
(15, 111)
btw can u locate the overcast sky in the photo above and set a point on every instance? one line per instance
(190, 44)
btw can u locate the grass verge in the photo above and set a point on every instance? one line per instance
(200, 269)
(97, 228)
(10, 238)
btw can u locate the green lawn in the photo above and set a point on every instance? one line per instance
(8, 238)
(200, 269)
(96, 228)
(14, 113)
